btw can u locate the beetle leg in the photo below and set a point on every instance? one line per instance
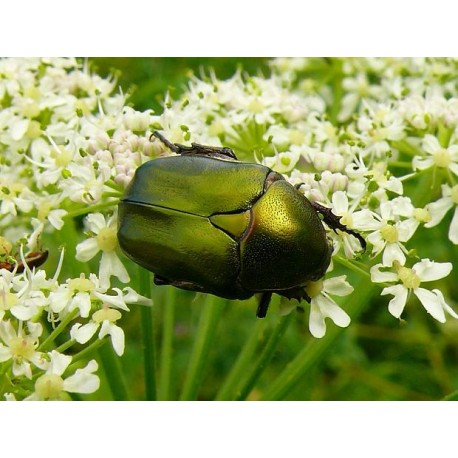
(263, 306)
(160, 281)
(333, 221)
(171, 146)
(199, 150)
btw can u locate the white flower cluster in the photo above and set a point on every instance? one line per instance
(362, 136)
(375, 140)
(68, 146)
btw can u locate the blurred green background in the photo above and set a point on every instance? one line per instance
(376, 358)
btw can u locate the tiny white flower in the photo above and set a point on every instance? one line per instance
(323, 306)
(105, 319)
(20, 346)
(409, 280)
(105, 239)
(439, 209)
(52, 385)
(436, 155)
(361, 220)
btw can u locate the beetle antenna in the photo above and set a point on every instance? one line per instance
(166, 142)
(333, 221)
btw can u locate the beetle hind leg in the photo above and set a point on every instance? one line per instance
(263, 305)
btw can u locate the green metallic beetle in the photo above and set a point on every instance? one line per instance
(203, 221)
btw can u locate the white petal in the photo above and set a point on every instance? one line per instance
(419, 163)
(453, 166)
(444, 304)
(431, 302)
(429, 270)
(330, 309)
(59, 362)
(82, 302)
(83, 381)
(132, 297)
(431, 144)
(348, 105)
(338, 286)
(117, 301)
(406, 229)
(110, 265)
(377, 241)
(393, 252)
(453, 230)
(317, 326)
(5, 353)
(397, 304)
(340, 202)
(379, 276)
(95, 222)
(87, 249)
(24, 313)
(83, 334)
(364, 220)
(438, 210)
(18, 129)
(117, 339)
(394, 185)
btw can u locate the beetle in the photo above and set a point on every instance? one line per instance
(203, 221)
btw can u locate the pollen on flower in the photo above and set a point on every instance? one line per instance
(107, 239)
(256, 106)
(5, 246)
(422, 215)
(314, 288)
(106, 313)
(49, 386)
(442, 158)
(62, 157)
(296, 137)
(389, 233)
(81, 284)
(454, 194)
(34, 130)
(408, 277)
(22, 347)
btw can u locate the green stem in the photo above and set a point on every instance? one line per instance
(351, 265)
(211, 313)
(315, 351)
(88, 350)
(66, 345)
(60, 328)
(400, 164)
(404, 146)
(451, 397)
(444, 134)
(166, 345)
(239, 369)
(91, 209)
(114, 374)
(149, 354)
(265, 357)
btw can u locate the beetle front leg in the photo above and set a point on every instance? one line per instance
(333, 221)
(200, 150)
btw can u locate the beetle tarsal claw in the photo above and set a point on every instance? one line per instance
(333, 221)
